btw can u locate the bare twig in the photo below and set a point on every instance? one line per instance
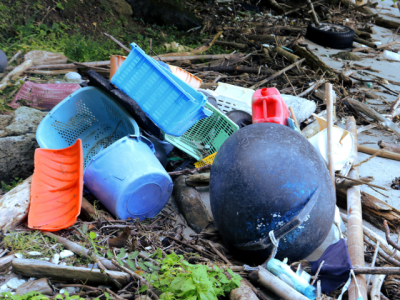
(387, 233)
(117, 42)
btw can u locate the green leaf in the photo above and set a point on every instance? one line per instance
(84, 227)
(120, 262)
(133, 255)
(121, 253)
(142, 266)
(109, 254)
(131, 265)
(93, 235)
(107, 295)
(143, 288)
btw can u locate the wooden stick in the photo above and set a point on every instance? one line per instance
(66, 66)
(376, 287)
(329, 118)
(229, 44)
(355, 240)
(378, 270)
(14, 57)
(289, 56)
(78, 249)
(316, 21)
(314, 61)
(387, 233)
(219, 253)
(39, 269)
(191, 246)
(373, 261)
(5, 262)
(361, 182)
(373, 114)
(14, 74)
(117, 42)
(389, 146)
(364, 42)
(386, 154)
(54, 72)
(279, 287)
(277, 74)
(294, 118)
(312, 88)
(191, 57)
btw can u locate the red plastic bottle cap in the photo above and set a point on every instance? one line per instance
(264, 92)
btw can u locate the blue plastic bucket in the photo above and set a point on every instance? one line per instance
(128, 179)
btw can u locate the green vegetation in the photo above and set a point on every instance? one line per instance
(178, 279)
(39, 296)
(27, 28)
(8, 187)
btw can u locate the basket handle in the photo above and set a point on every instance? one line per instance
(141, 138)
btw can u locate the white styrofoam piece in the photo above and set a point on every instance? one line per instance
(302, 108)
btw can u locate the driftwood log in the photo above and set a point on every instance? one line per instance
(314, 61)
(198, 180)
(372, 151)
(5, 262)
(389, 146)
(374, 210)
(244, 292)
(14, 205)
(41, 269)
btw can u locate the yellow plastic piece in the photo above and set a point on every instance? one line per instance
(206, 161)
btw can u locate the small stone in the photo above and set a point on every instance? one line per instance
(56, 259)
(45, 258)
(34, 253)
(15, 283)
(18, 255)
(69, 290)
(4, 288)
(63, 264)
(66, 253)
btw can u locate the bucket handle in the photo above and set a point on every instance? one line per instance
(141, 138)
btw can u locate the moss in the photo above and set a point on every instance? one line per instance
(346, 56)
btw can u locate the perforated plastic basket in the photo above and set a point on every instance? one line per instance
(225, 103)
(43, 96)
(90, 115)
(169, 102)
(206, 136)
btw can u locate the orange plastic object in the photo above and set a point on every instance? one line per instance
(115, 62)
(57, 187)
(185, 76)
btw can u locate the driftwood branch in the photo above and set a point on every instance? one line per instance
(277, 74)
(40, 269)
(387, 233)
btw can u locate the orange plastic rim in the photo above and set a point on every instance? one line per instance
(115, 62)
(57, 187)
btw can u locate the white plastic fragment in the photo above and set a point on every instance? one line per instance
(73, 77)
(4, 288)
(389, 55)
(34, 253)
(14, 283)
(69, 290)
(55, 259)
(18, 255)
(66, 253)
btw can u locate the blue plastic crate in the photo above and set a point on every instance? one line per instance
(90, 115)
(169, 102)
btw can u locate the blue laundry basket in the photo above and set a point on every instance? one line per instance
(128, 179)
(170, 103)
(88, 114)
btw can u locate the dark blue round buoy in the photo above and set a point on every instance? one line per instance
(3, 61)
(262, 176)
